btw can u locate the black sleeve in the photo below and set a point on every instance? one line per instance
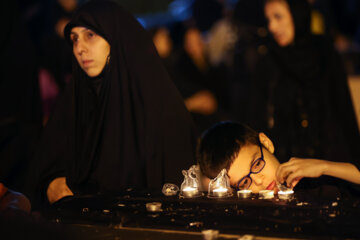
(343, 106)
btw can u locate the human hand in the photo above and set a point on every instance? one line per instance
(58, 189)
(295, 169)
(203, 102)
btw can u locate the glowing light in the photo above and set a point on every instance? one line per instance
(244, 193)
(285, 194)
(266, 194)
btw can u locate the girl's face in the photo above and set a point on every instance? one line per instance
(262, 179)
(91, 50)
(280, 22)
(265, 179)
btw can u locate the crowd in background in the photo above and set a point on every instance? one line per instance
(213, 58)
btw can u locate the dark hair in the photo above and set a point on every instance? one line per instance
(219, 146)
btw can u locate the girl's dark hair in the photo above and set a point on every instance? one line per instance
(219, 146)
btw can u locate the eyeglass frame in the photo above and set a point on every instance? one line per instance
(251, 172)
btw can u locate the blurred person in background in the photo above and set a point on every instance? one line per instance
(300, 96)
(251, 46)
(56, 55)
(192, 74)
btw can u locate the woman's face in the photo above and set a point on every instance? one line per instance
(90, 49)
(280, 22)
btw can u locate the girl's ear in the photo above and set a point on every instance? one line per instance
(266, 142)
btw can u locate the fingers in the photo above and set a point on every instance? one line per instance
(295, 181)
(294, 178)
(283, 171)
(286, 169)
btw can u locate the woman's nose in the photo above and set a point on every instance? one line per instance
(272, 26)
(80, 47)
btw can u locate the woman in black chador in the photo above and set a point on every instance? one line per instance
(301, 97)
(121, 122)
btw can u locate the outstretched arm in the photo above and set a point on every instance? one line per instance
(292, 171)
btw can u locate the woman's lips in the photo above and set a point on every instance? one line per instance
(87, 62)
(271, 186)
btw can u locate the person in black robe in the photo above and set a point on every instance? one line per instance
(125, 127)
(301, 98)
(198, 82)
(249, 23)
(20, 104)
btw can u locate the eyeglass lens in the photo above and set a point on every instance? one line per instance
(256, 167)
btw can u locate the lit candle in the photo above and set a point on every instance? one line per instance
(285, 195)
(244, 193)
(170, 189)
(220, 192)
(266, 194)
(153, 206)
(190, 192)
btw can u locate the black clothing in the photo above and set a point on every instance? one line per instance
(126, 128)
(249, 24)
(301, 97)
(189, 79)
(56, 53)
(20, 104)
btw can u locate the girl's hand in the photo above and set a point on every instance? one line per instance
(295, 169)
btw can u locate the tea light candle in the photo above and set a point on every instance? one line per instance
(220, 192)
(190, 192)
(170, 189)
(266, 194)
(153, 206)
(244, 193)
(210, 234)
(285, 195)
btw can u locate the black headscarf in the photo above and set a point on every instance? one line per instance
(134, 131)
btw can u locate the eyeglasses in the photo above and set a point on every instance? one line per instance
(256, 167)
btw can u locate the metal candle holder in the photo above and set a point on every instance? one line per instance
(244, 193)
(286, 195)
(266, 194)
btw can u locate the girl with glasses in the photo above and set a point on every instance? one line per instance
(248, 157)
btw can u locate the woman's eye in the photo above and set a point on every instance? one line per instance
(90, 35)
(74, 39)
(278, 16)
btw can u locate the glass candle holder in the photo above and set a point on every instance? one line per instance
(170, 189)
(190, 192)
(190, 186)
(219, 187)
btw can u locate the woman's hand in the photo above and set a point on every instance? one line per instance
(295, 169)
(203, 102)
(58, 189)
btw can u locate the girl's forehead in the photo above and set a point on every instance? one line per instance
(244, 159)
